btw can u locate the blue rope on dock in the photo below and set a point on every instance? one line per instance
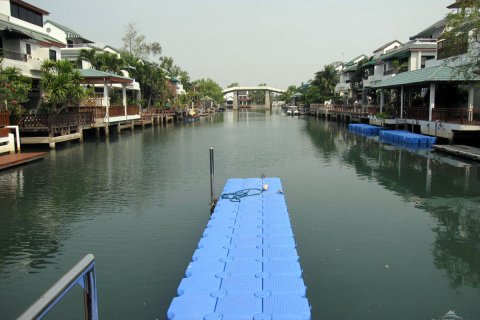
(238, 195)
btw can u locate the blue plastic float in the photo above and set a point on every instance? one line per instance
(246, 265)
(406, 137)
(365, 129)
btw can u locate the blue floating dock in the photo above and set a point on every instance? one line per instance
(246, 265)
(406, 137)
(365, 129)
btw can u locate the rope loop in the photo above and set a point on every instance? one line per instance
(238, 195)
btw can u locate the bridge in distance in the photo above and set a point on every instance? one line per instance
(266, 89)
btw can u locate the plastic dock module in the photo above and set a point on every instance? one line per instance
(246, 265)
(364, 129)
(406, 137)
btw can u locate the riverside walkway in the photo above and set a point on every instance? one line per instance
(246, 265)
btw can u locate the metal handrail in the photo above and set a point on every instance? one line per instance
(83, 274)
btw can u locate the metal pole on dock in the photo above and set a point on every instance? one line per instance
(212, 173)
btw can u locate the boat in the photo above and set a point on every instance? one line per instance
(292, 111)
(191, 116)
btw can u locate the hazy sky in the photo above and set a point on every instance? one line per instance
(278, 42)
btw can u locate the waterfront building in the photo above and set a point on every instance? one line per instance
(24, 44)
(344, 87)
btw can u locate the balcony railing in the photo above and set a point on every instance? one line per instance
(53, 121)
(390, 72)
(7, 54)
(451, 115)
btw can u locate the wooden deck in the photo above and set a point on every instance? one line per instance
(16, 159)
(460, 150)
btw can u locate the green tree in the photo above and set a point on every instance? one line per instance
(326, 80)
(185, 80)
(462, 32)
(208, 88)
(61, 84)
(135, 44)
(313, 95)
(232, 85)
(258, 97)
(103, 61)
(287, 95)
(14, 89)
(90, 56)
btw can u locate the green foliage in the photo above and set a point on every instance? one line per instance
(382, 115)
(208, 88)
(326, 80)
(258, 97)
(287, 95)
(313, 94)
(61, 84)
(463, 31)
(232, 85)
(153, 80)
(103, 61)
(14, 89)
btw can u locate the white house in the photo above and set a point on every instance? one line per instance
(73, 42)
(343, 88)
(24, 43)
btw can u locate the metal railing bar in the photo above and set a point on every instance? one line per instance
(53, 295)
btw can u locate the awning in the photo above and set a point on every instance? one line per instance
(442, 73)
(30, 34)
(91, 76)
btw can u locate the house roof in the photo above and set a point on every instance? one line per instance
(427, 32)
(71, 34)
(455, 5)
(352, 62)
(411, 46)
(28, 33)
(113, 49)
(387, 45)
(95, 77)
(442, 73)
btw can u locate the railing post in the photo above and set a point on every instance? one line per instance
(90, 296)
(212, 173)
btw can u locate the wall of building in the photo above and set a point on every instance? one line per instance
(5, 7)
(55, 32)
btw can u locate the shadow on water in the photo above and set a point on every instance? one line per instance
(446, 188)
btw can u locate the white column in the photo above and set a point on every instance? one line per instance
(267, 100)
(124, 98)
(432, 101)
(235, 100)
(106, 101)
(402, 102)
(419, 60)
(382, 100)
(471, 94)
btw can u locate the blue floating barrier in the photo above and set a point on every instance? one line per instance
(246, 265)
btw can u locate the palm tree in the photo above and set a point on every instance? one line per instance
(61, 84)
(326, 80)
(91, 56)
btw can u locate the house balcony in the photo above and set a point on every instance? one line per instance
(370, 81)
(72, 51)
(28, 65)
(391, 72)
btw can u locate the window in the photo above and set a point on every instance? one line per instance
(28, 49)
(26, 15)
(53, 55)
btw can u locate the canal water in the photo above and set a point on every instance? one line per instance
(382, 232)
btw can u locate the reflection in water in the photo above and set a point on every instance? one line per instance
(139, 202)
(446, 188)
